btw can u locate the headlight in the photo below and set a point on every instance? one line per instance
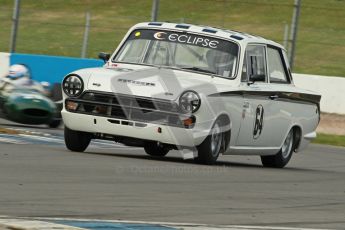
(73, 85)
(189, 102)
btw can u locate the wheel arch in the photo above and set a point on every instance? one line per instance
(297, 130)
(226, 127)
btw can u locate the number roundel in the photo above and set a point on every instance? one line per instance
(259, 121)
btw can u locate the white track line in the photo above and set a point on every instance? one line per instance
(22, 224)
(189, 226)
(41, 138)
(12, 141)
(40, 224)
(16, 139)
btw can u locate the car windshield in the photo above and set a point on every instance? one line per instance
(179, 50)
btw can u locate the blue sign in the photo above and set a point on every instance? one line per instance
(52, 68)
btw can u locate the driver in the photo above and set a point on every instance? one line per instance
(220, 62)
(19, 77)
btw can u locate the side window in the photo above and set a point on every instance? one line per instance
(256, 63)
(276, 68)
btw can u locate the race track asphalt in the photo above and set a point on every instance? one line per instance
(40, 178)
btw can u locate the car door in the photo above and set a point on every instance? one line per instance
(267, 115)
(256, 112)
(281, 109)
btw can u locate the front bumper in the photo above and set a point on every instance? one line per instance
(127, 128)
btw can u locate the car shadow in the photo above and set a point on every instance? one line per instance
(219, 163)
(175, 159)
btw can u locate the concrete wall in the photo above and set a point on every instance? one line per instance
(4, 63)
(332, 90)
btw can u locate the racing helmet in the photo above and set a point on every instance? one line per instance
(18, 71)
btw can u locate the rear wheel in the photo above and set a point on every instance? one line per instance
(77, 141)
(210, 148)
(283, 156)
(154, 148)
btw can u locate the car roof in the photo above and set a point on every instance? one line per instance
(237, 36)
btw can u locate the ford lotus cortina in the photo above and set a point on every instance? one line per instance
(185, 87)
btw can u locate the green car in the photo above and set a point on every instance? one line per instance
(29, 106)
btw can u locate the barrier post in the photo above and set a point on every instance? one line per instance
(294, 29)
(15, 23)
(154, 11)
(86, 35)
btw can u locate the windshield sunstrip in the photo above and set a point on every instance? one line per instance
(185, 38)
(182, 50)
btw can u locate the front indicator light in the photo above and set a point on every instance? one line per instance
(71, 106)
(189, 122)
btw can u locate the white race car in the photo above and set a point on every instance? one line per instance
(186, 87)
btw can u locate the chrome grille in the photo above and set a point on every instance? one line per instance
(129, 107)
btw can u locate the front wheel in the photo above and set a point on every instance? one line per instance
(210, 148)
(76, 141)
(154, 148)
(283, 156)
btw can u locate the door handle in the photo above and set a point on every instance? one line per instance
(273, 97)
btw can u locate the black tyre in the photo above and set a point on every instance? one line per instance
(54, 123)
(77, 141)
(210, 148)
(283, 156)
(153, 148)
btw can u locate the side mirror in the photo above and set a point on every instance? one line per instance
(256, 77)
(104, 56)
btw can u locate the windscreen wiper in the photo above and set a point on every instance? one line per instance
(199, 69)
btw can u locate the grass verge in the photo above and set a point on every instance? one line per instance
(329, 139)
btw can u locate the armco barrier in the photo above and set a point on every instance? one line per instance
(332, 90)
(52, 68)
